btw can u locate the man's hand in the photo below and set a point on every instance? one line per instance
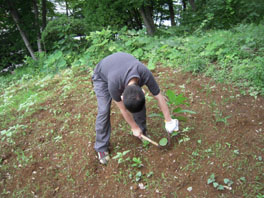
(137, 132)
(130, 120)
(172, 125)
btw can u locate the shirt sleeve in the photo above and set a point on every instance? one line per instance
(149, 80)
(114, 92)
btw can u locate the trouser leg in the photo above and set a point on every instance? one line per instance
(102, 125)
(140, 119)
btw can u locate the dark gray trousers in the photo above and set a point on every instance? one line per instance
(102, 124)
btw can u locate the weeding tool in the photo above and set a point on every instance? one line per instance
(149, 140)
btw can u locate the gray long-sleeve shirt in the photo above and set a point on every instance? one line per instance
(119, 68)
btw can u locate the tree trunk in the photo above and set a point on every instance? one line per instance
(67, 9)
(145, 13)
(192, 4)
(37, 27)
(137, 18)
(172, 14)
(23, 35)
(44, 14)
(184, 5)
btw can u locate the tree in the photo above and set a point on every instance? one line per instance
(20, 29)
(16, 19)
(146, 13)
(172, 14)
(37, 27)
(44, 14)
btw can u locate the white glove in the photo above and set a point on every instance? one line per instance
(171, 126)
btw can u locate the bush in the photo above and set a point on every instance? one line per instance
(59, 34)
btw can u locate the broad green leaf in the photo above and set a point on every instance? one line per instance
(125, 152)
(163, 141)
(176, 99)
(155, 115)
(215, 184)
(179, 110)
(138, 176)
(220, 187)
(181, 118)
(210, 180)
(171, 96)
(174, 133)
(226, 181)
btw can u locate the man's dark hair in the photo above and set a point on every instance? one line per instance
(134, 98)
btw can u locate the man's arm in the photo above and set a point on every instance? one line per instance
(163, 107)
(129, 119)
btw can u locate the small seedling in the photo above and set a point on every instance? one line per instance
(150, 174)
(236, 152)
(184, 139)
(218, 186)
(8, 134)
(120, 156)
(228, 182)
(57, 138)
(137, 162)
(228, 144)
(138, 176)
(175, 133)
(212, 180)
(220, 118)
(145, 143)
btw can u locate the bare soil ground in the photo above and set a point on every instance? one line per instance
(54, 156)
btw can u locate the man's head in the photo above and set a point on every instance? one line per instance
(134, 98)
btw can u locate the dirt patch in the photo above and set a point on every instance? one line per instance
(56, 156)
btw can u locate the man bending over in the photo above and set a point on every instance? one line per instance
(120, 77)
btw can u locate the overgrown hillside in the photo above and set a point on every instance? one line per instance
(48, 114)
(47, 137)
(230, 56)
(208, 59)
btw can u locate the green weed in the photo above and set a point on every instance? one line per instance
(217, 185)
(121, 157)
(136, 162)
(7, 135)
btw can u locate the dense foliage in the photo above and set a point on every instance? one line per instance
(223, 39)
(219, 14)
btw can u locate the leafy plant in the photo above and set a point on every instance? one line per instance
(145, 143)
(220, 118)
(216, 185)
(163, 141)
(150, 174)
(121, 155)
(101, 44)
(138, 176)
(228, 182)
(54, 62)
(22, 159)
(212, 180)
(136, 162)
(9, 133)
(177, 100)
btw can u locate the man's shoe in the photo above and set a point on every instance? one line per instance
(103, 157)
